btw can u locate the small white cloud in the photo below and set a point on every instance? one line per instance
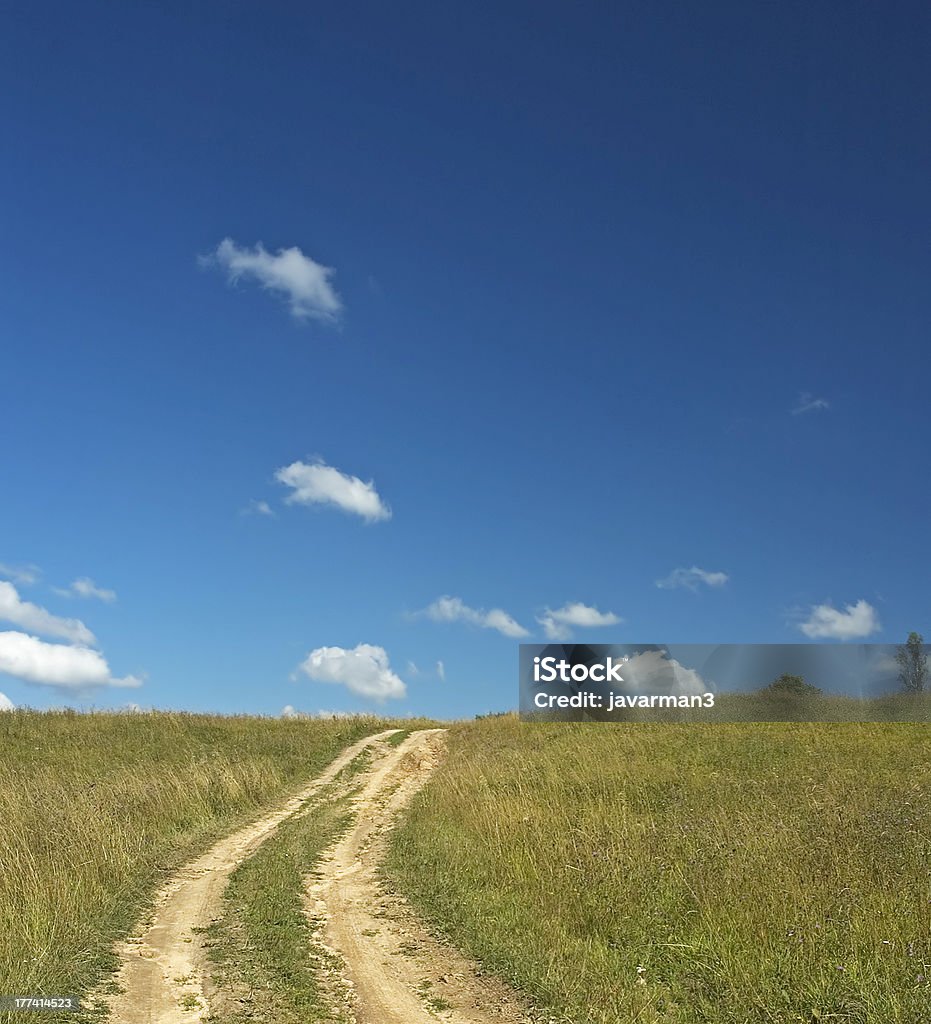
(288, 711)
(301, 281)
(6, 704)
(655, 672)
(363, 670)
(808, 403)
(257, 508)
(86, 588)
(558, 624)
(411, 669)
(827, 623)
(38, 620)
(441, 670)
(25, 575)
(692, 578)
(58, 665)
(452, 609)
(319, 484)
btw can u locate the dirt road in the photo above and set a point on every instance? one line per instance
(395, 971)
(162, 973)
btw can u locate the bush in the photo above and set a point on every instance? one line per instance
(790, 686)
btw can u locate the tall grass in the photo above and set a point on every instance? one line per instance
(96, 809)
(685, 874)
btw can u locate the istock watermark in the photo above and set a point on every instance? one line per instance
(548, 670)
(551, 669)
(722, 682)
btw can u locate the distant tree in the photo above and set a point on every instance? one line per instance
(913, 663)
(790, 686)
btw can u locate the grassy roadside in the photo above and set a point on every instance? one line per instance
(265, 966)
(96, 809)
(726, 874)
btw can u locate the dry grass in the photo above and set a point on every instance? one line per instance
(686, 874)
(95, 809)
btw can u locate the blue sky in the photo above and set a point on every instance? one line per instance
(584, 299)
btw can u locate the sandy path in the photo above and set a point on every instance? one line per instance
(161, 973)
(395, 971)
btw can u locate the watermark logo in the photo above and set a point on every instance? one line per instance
(724, 682)
(549, 669)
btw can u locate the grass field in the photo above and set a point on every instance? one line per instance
(96, 809)
(645, 872)
(716, 874)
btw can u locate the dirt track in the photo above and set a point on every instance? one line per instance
(161, 973)
(395, 971)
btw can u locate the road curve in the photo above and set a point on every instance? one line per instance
(162, 975)
(394, 970)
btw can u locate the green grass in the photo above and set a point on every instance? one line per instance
(264, 961)
(263, 958)
(755, 874)
(96, 809)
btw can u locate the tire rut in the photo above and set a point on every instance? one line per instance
(162, 975)
(395, 971)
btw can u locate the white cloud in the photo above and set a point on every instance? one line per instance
(411, 669)
(25, 575)
(557, 625)
(363, 670)
(808, 403)
(59, 665)
(257, 508)
(304, 283)
(6, 704)
(692, 578)
(825, 622)
(655, 672)
(38, 620)
(452, 609)
(441, 670)
(319, 484)
(288, 711)
(86, 588)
